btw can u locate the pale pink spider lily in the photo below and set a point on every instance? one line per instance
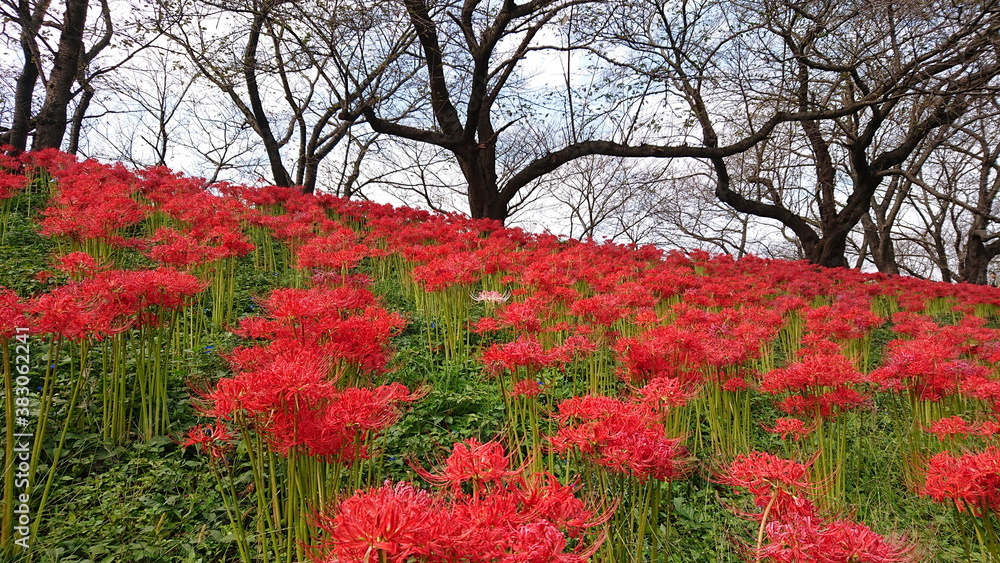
(491, 297)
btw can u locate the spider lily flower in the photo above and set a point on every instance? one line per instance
(492, 297)
(624, 437)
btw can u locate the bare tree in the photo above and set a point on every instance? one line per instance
(472, 52)
(902, 71)
(147, 112)
(296, 71)
(955, 196)
(58, 68)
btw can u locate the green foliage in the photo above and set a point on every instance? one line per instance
(460, 404)
(145, 503)
(23, 252)
(701, 528)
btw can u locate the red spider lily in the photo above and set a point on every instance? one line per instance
(824, 405)
(336, 251)
(94, 201)
(698, 340)
(538, 541)
(159, 184)
(343, 321)
(970, 481)
(791, 524)
(79, 265)
(290, 396)
(371, 409)
(624, 437)
(928, 367)
(780, 484)
(11, 182)
(981, 387)
(988, 428)
(52, 160)
(390, 523)
(664, 351)
(527, 388)
(10, 159)
(794, 427)
(514, 519)
(666, 393)
(522, 317)
(600, 309)
(485, 325)
(289, 389)
(12, 315)
(215, 440)
(339, 429)
(113, 301)
(296, 377)
(577, 346)
(913, 325)
(812, 540)
(848, 318)
(635, 295)
(815, 371)
(472, 462)
(493, 527)
(854, 542)
(462, 268)
(185, 249)
(731, 336)
(647, 317)
(734, 384)
(204, 214)
(302, 305)
(526, 352)
(948, 427)
(822, 383)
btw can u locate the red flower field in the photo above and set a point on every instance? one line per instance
(641, 404)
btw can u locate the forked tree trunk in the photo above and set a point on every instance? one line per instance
(51, 121)
(485, 201)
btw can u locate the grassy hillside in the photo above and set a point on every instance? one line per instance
(243, 374)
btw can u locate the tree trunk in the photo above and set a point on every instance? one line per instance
(310, 173)
(830, 251)
(263, 126)
(975, 264)
(881, 246)
(50, 124)
(78, 116)
(23, 96)
(485, 201)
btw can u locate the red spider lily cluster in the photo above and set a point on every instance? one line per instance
(213, 439)
(94, 201)
(822, 382)
(970, 481)
(112, 301)
(789, 427)
(956, 426)
(792, 528)
(507, 516)
(627, 437)
(528, 354)
(290, 390)
(12, 313)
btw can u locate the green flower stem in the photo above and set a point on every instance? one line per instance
(78, 384)
(7, 521)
